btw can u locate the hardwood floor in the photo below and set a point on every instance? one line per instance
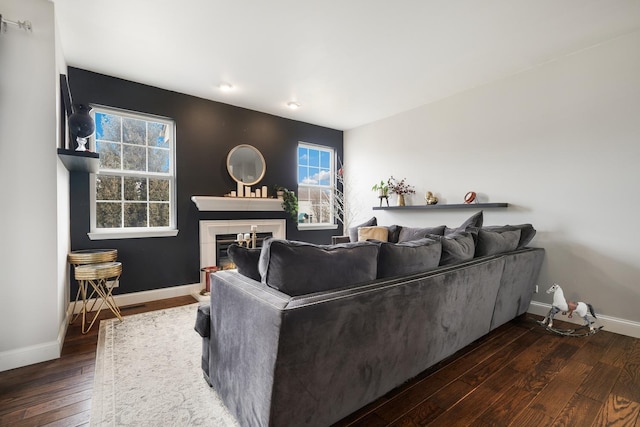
(518, 375)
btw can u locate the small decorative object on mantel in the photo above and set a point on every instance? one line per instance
(383, 191)
(401, 188)
(81, 125)
(470, 197)
(430, 198)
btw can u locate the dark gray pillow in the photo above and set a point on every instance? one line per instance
(494, 242)
(527, 232)
(394, 233)
(399, 259)
(408, 233)
(474, 221)
(353, 231)
(456, 247)
(246, 260)
(298, 268)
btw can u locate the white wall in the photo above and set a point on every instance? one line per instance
(560, 143)
(34, 191)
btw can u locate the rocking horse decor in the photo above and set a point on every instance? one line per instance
(560, 304)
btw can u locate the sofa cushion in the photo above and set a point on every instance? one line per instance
(496, 242)
(246, 260)
(473, 222)
(298, 268)
(409, 233)
(456, 247)
(527, 232)
(353, 231)
(374, 233)
(416, 256)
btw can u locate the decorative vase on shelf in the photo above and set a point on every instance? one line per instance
(401, 200)
(81, 125)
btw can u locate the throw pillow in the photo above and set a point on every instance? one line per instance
(374, 233)
(527, 232)
(299, 268)
(474, 221)
(408, 233)
(394, 233)
(456, 248)
(353, 231)
(494, 242)
(246, 260)
(417, 256)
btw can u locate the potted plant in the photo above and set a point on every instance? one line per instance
(400, 188)
(289, 201)
(381, 188)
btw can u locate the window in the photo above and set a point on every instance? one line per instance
(133, 193)
(316, 186)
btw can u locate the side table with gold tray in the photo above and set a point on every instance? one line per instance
(95, 268)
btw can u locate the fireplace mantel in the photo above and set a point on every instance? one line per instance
(213, 203)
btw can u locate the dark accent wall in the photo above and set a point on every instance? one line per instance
(205, 133)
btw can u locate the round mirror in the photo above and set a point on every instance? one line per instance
(246, 164)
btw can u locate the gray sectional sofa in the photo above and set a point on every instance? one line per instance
(281, 356)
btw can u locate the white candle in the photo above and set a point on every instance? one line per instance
(258, 193)
(233, 193)
(254, 228)
(264, 191)
(240, 189)
(239, 237)
(247, 191)
(247, 236)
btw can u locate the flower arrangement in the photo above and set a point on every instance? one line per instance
(400, 187)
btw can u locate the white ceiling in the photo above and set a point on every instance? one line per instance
(346, 62)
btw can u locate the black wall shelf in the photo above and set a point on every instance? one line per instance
(79, 161)
(443, 206)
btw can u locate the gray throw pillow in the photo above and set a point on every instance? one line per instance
(353, 231)
(394, 233)
(299, 268)
(246, 260)
(456, 248)
(417, 256)
(408, 233)
(494, 242)
(473, 222)
(527, 232)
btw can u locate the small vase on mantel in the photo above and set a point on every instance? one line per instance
(401, 200)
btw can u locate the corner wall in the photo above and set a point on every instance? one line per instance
(32, 287)
(559, 142)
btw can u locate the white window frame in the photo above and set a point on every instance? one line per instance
(333, 225)
(135, 232)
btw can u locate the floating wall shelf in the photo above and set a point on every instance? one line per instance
(79, 161)
(443, 206)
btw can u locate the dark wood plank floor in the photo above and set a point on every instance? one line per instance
(518, 375)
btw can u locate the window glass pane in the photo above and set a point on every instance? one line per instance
(158, 189)
(303, 174)
(108, 215)
(313, 176)
(303, 156)
(108, 127)
(135, 188)
(109, 154)
(135, 158)
(157, 135)
(108, 188)
(158, 214)
(135, 214)
(324, 177)
(134, 131)
(158, 160)
(314, 157)
(325, 160)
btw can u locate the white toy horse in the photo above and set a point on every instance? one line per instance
(561, 304)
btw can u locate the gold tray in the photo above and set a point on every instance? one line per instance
(92, 256)
(102, 270)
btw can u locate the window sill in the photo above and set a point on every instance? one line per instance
(104, 235)
(305, 227)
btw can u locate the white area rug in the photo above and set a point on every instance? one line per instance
(148, 373)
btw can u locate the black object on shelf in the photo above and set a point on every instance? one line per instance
(444, 206)
(79, 161)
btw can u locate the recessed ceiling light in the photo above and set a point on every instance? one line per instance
(293, 105)
(226, 87)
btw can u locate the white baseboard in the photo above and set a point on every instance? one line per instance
(29, 355)
(146, 296)
(611, 324)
